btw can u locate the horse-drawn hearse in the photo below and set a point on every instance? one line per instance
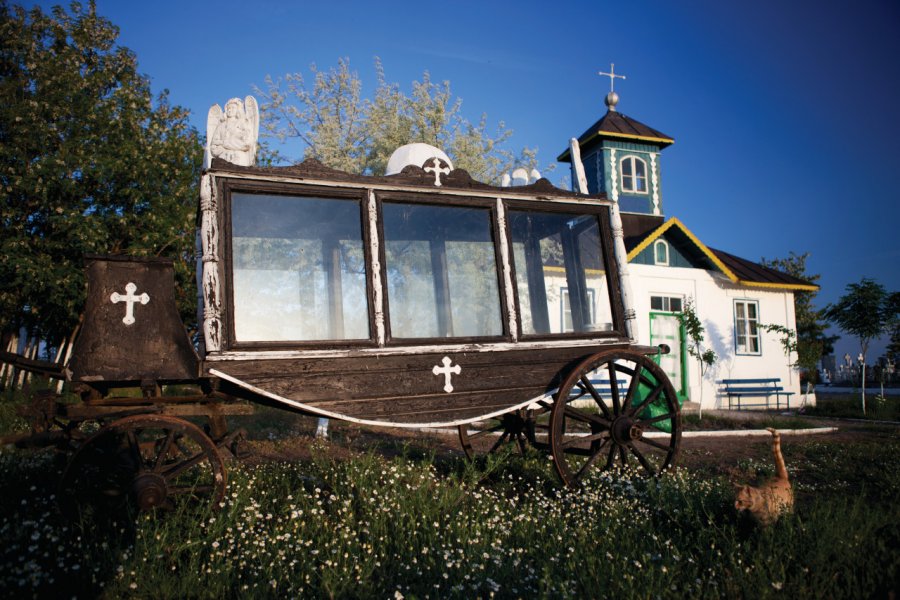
(421, 299)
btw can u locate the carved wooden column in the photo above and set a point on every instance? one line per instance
(209, 247)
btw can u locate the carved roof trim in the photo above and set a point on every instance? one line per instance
(457, 179)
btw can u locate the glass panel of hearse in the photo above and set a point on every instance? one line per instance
(298, 269)
(441, 271)
(560, 273)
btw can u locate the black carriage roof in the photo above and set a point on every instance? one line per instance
(458, 180)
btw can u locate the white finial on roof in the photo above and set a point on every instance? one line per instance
(520, 176)
(414, 154)
(612, 98)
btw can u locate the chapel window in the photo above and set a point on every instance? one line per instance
(634, 175)
(661, 252)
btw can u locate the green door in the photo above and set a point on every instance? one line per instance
(666, 328)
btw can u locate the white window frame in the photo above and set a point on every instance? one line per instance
(660, 244)
(565, 307)
(634, 176)
(666, 303)
(743, 328)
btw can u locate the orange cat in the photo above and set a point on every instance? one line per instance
(767, 502)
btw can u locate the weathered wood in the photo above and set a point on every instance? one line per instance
(150, 345)
(87, 411)
(404, 388)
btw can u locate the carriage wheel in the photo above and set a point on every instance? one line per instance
(512, 429)
(594, 425)
(143, 462)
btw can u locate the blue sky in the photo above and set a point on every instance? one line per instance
(784, 114)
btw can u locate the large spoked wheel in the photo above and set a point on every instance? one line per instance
(613, 409)
(142, 462)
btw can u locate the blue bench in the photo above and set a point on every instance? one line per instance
(756, 388)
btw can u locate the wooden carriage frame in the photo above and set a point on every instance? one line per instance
(590, 397)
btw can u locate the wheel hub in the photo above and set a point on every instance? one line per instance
(625, 430)
(150, 490)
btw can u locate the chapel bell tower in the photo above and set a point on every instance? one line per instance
(621, 158)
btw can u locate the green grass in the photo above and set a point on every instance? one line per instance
(850, 406)
(422, 528)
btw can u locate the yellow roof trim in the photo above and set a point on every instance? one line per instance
(674, 222)
(637, 137)
(566, 155)
(780, 286)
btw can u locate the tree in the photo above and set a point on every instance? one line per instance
(339, 127)
(89, 164)
(810, 341)
(866, 312)
(694, 330)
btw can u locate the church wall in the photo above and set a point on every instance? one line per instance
(714, 298)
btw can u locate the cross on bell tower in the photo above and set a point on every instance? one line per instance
(612, 76)
(612, 98)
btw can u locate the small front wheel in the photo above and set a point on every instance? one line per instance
(142, 462)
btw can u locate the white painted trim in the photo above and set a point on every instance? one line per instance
(333, 415)
(408, 350)
(656, 260)
(507, 272)
(578, 175)
(654, 181)
(613, 176)
(634, 175)
(703, 434)
(377, 287)
(509, 193)
(759, 336)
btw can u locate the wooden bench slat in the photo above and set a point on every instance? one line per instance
(759, 387)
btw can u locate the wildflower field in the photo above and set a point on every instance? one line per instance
(415, 522)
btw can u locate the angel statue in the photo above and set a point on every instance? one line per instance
(232, 135)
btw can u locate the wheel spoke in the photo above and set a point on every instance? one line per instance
(610, 456)
(576, 451)
(581, 440)
(485, 432)
(164, 451)
(590, 389)
(614, 388)
(643, 460)
(499, 442)
(183, 466)
(657, 419)
(576, 414)
(654, 443)
(623, 456)
(135, 448)
(588, 464)
(633, 386)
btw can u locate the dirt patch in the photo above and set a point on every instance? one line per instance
(716, 454)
